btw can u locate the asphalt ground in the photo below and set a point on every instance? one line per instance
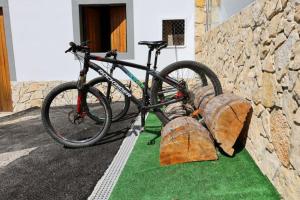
(46, 170)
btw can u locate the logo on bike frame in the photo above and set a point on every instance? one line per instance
(120, 88)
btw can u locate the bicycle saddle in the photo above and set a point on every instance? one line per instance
(154, 44)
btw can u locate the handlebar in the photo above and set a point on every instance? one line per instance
(85, 49)
(74, 48)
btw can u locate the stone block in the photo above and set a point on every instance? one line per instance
(199, 30)
(200, 3)
(268, 90)
(280, 133)
(296, 55)
(37, 95)
(295, 147)
(200, 17)
(280, 39)
(24, 98)
(33, 87)
(297, 13)
(268, 64)
(289, 107)
(274, 26)
(265, 118)
(272, 8)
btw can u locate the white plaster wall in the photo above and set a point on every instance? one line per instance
(41, 30)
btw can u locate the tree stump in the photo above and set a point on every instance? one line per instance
(225, 115)
(184, 139)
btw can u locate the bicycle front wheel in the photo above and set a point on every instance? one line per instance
(66, 125)
(188, 73)
(118, 101)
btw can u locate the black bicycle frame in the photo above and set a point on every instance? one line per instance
(142, 104)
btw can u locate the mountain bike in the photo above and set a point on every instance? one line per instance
(86, 118)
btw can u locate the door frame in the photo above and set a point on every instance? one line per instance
(9, 44)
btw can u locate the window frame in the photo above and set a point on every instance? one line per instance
(4, 4)
(129, 18)
(185, 31)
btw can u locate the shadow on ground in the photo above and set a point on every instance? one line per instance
(52, 171)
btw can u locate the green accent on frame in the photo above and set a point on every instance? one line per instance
(227, 178)
(137, 81)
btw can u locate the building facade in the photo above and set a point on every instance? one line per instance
(38, 32)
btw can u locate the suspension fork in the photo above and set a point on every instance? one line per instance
(79, 102)
(81, 96)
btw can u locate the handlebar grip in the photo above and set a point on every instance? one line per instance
(74, 48)
(72, 44)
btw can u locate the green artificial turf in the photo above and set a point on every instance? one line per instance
(226, 178)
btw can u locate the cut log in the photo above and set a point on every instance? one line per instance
(178, 110)
(225, 115)
(184, 139)
(202, 95)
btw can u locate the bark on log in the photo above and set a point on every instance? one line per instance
(178, 110)
(184, 139)
(200, 96)
(225, 115)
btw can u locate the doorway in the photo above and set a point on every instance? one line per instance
(5, 87)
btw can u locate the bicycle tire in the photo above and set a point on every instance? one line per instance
(197, 67)
(115, 116)
(49, 127)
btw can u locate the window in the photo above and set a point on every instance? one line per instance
(105, 26)
(173, 32)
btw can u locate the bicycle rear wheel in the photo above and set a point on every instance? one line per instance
(188, 73)
(63, 122)
(119, 102)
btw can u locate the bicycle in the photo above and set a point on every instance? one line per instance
(169, 86)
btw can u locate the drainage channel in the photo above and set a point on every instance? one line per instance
(106, 184)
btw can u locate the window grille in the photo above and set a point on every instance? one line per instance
(174, 32)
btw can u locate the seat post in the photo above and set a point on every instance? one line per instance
(155, 61)
(149, 57)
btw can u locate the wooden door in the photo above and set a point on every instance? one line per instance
(93, 27)
(118, 28)
(5, 87)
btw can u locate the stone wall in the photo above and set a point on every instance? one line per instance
(31, 94)
(256, 54)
